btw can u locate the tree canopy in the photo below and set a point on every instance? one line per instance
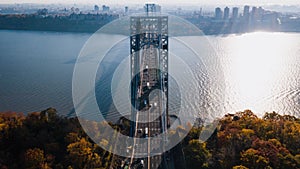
(45, 140)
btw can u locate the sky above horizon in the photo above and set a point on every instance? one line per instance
(174, 2)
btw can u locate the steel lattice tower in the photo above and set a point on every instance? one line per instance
(149, 72)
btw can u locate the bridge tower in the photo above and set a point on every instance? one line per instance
(149, 85)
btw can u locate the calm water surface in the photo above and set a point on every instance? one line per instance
(261, 71)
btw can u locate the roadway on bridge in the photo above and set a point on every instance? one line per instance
(148, 119)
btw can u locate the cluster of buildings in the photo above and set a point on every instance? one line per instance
(76, 14)
(104, 8)
(233, 20)
(256, 14)
(213, 21)
(220, 15)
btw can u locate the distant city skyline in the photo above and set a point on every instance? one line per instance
(173, 2)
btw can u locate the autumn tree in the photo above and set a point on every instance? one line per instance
(81, 155)
(252, 159)
(239, 167)
(196, 155)
(35, 159)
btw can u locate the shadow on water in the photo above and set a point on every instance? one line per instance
(104, 77)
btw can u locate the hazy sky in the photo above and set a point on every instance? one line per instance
(208, 2)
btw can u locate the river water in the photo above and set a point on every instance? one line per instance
(260, 71)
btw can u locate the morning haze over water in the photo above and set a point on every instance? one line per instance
(261, 71)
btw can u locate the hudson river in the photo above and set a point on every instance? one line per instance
(260, 71)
